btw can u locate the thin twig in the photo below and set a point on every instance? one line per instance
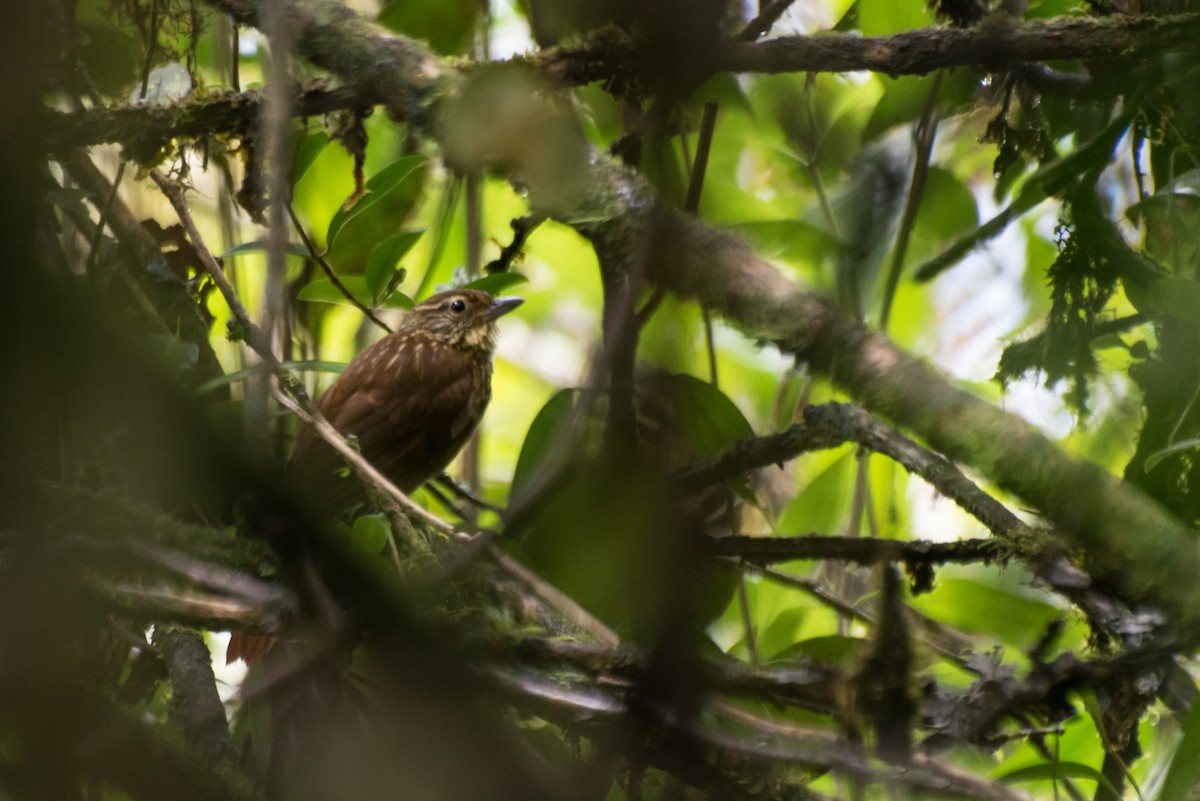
(102, 222)
(859, 550)
(832, 424)
(765, 19)
(327, 268)
(923, 135)
(246, 327)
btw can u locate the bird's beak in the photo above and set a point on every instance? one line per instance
(501, 307)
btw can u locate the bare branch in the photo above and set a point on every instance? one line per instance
(860, 550)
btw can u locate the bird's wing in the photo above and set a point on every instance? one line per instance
(411, 415)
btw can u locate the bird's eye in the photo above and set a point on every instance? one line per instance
(458, 306)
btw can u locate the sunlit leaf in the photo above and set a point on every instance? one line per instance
(978, 607)
(497, 282)
(447, 26)
(262, 246)
(371, 532)
(323, 290)
(378, 186)
(882, 17)
(307, 150)
(832, 649)
(381, 264)
(823, 502)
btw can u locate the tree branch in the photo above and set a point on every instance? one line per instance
(860, 550)
(146, 130)
(996, 43)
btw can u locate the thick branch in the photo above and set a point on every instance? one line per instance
(995, 44)
(146, 129)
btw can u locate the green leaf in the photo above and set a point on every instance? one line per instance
(823, 501)
(831, 649)
(307, 150)
(261, 246)
(780, 634)
(1053, 771)
(371, 532)
(448, 25)
(882, 17)
(985, 608)
(1184, 772)
(497, 282)
(710, 421)
(323, 290)
(543, 433)
(378, 186)
(1168, 294)
(948, 208)
(381, 264)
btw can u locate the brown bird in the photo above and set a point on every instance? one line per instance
(412, 400)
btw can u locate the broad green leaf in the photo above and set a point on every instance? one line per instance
(780, 633)
(307, 150)
(261, 246)
(882, 17)
(1053, 771)
(378, 186)
(823, 502)
(974, 606)
(371, 532)
(1167, 294)
(833, 649)
(711, 422)
(948, 208)
(447, 25)
(381, 264)
(323, 290)
(1184, 772)
(497, 282)
(543, 433)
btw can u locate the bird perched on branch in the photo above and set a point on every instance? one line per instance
(412, 400)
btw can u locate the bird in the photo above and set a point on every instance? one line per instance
(411, 400)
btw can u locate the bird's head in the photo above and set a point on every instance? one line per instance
(462, 318)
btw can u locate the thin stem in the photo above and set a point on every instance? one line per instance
(923, 136)
(327, 268)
